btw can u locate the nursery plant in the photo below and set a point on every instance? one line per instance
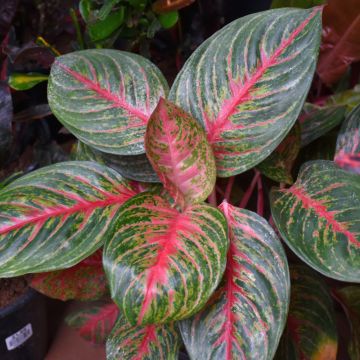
(141, 200)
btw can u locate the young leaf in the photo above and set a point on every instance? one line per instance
(311, 325)
(105, 97)
(246, 316)
(56, 216)
(177, 148)
(163, 265)
(319, 219)
(127, 342)
(84, 281)
(248, 82)
(348, 143)
(18, 81)
(95, 321)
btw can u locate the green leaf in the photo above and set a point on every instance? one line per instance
(319, 219)
(246, 316)
(163, 265)
(127, 342)
(177, 148)
(85, 9)
(349, 98)
(169, 19)
(56, 216)
(349, 298)
(311, 325)
(279, 164)
(296, 3)
(247, 83)
(20, 81)
(105, 97)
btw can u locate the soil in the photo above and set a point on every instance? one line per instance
(11, 289)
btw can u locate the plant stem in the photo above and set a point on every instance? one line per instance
(79, 37)
(249, 191)
(212, 198)
(260, 198)
(229, 187)
(220, 191)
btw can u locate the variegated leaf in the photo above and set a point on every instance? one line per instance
(248, 82)
(135, 167)
(348, 143)
(94, 321)
(316, 121)
(177, 148)
(247, 314)
(105, 97)
(84, 281)
(56, 216)
(310, 332)
(163, 265)
(279, 164)
(319, 218)
(149, 342)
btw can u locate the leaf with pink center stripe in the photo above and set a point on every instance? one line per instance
(105, 97)
(319, 218)
(127, 342)
(178, 150)
(162, 264)
(245, 317)
(247, 84)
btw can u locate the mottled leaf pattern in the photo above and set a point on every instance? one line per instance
(163, 265)
(56, 216)
(84, 281)
(94, 321)
(105, 97)
(149, 342)
(247, 83)
(319, 218)
(310, 332)
(177, 148)
(348, 144)
(246, 316)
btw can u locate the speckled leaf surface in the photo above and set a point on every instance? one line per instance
(348, 143)
(105, 97)
(56, 216)
(84, 281)
(178, 150)
(319, 219)
(134, 167)
(316, 121)
(245, 317)
(94, 321)
(279, 164)
(163, 265)
(149, 342)
(247, 84)
(310, 332)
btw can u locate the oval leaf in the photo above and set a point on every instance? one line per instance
(163, 265)
(56, 216)
(105, 97)
(248, 82)
(18, 81)
(319, 218)
(177, 148)
(348, 143)
(311, 326)
(246, 316)
(127, 342)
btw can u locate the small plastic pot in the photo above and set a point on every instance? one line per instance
(23, 328)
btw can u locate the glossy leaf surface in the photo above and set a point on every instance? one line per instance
(247, 83)
(127, 342)
(56, 216)
(310, 332)
(18, 81)
(105, 97)
(319, 218)
(348, 143)
(178, 150)
(245, 317)
(163, 265)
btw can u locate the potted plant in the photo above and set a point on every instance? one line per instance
(211, 275)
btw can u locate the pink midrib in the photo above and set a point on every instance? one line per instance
(150, 336)
(231, 104)
(106, 94)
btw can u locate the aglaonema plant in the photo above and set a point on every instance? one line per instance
(182, 269)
